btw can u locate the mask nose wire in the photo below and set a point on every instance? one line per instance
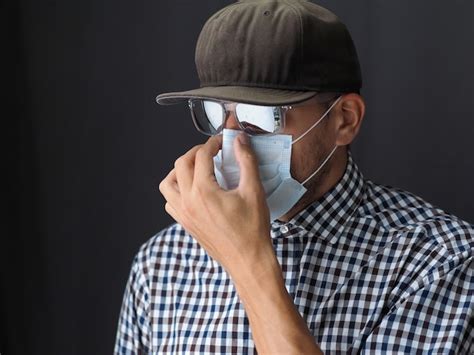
(317, 122)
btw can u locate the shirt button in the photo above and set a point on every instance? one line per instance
(284, 229)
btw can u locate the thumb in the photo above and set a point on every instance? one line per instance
(248, 163)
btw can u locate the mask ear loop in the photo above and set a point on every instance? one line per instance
(315, 124)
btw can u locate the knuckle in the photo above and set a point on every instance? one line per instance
(178, 162)
(250, 157)
(161, 186)
(200, 154)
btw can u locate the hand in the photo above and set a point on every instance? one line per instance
(232, 226)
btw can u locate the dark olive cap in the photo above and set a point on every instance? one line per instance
(272, 52)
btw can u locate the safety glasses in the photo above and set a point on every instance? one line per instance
(209, 116)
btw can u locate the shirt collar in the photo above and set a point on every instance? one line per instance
(325, 217)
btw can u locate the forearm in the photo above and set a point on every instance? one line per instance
(277, 326)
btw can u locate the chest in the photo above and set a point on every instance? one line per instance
(197, 309)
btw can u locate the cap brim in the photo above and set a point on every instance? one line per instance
(245, 94)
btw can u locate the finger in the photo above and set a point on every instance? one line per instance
(178, 218)
(172, 212)
(170, 190)
(184, 167)
(248, 164)
(204, 163)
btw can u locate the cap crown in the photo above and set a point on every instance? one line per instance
(280, 44)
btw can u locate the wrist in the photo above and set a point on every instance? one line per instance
(276, 323)
(251, 259)
(262, 274)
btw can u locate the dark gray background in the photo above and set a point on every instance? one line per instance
(86, 145)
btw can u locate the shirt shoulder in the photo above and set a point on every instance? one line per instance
(167, 251)
(394, 209)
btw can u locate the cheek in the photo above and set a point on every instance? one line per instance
(306, 154)
(296, 163)
(304, 158)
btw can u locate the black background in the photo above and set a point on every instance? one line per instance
(85, 145)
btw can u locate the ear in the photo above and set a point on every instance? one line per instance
(350, 112)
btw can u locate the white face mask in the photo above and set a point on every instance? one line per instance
(274, 156)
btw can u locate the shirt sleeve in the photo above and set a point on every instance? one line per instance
(133, 331)
(437, 318)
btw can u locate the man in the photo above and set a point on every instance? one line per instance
(281, 245)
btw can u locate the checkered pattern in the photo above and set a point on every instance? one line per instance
(372, 269)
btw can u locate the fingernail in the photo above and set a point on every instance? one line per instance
(243, 138)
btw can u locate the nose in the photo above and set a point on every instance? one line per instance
(231, 121)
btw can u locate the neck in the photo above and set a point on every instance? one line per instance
(338, 163)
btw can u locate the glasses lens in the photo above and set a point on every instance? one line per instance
(214, 113)
(208, 115)
(257, 119)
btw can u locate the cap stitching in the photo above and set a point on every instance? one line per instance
(208, 22)
(295, 10)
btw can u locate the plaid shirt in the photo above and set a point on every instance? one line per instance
(372, 269)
